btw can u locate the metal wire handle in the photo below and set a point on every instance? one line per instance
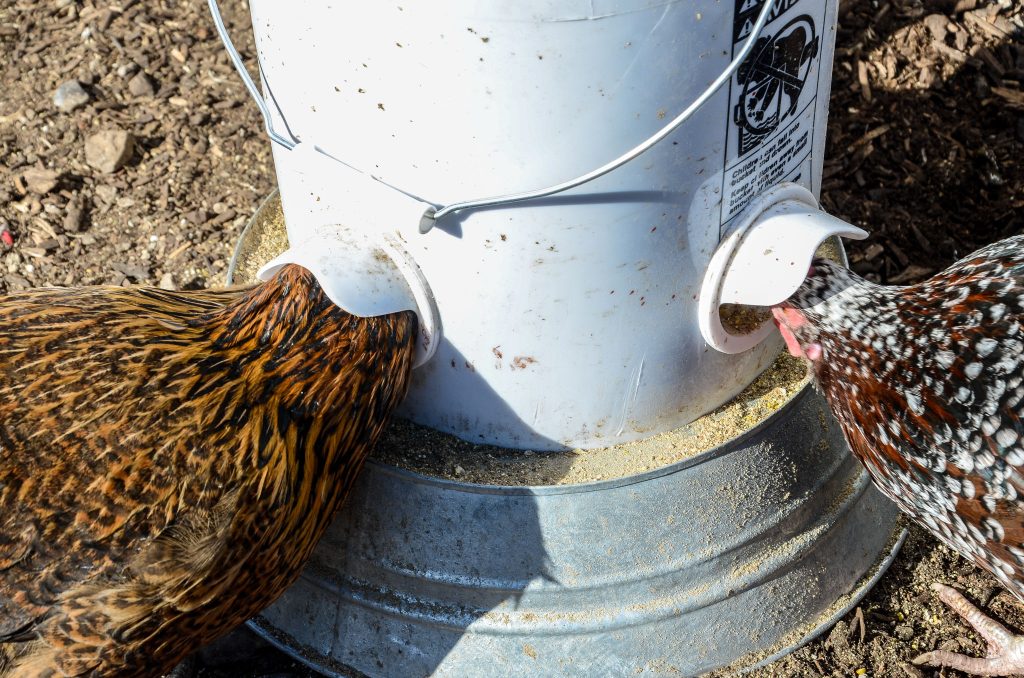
(432, 214)
(236, 59)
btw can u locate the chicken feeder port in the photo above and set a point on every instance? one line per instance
(574, 321)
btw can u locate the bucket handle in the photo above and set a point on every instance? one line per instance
(436, 212)
(236, 59)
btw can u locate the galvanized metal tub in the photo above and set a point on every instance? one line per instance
(734, 557)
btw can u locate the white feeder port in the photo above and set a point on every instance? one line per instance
(763, 260)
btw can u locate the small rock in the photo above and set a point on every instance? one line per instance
(167, 282)
(197, 216)
(40, 181)
(961, 39)
(137, 272)
(904, 632)
(13, 262)
(109, 150)
(124, 70)
(70, 95)
(106, 194)
(141, 85)
(73, 217)
(936, 24)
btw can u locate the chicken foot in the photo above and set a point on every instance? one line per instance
(1005, 649)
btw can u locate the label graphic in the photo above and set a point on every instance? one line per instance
(773, 99)
(772, 84)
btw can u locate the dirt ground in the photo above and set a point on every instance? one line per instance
(926, 151)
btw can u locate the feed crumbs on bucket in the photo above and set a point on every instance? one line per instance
(425, 450)
(432, 452)
(824, 621)
(831, 248)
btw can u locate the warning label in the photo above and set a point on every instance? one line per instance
(773, 99)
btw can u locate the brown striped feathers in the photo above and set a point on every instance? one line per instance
(168, 460)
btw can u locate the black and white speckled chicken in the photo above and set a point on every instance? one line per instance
(927, 382)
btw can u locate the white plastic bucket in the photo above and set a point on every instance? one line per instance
(570, 320)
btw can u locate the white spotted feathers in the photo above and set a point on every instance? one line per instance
(928, 383)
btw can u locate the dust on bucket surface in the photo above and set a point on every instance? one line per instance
(435, 575)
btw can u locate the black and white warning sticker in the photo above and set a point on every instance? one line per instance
(773, 99)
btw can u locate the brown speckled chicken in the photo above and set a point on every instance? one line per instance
(927, 382)
(168, 460)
